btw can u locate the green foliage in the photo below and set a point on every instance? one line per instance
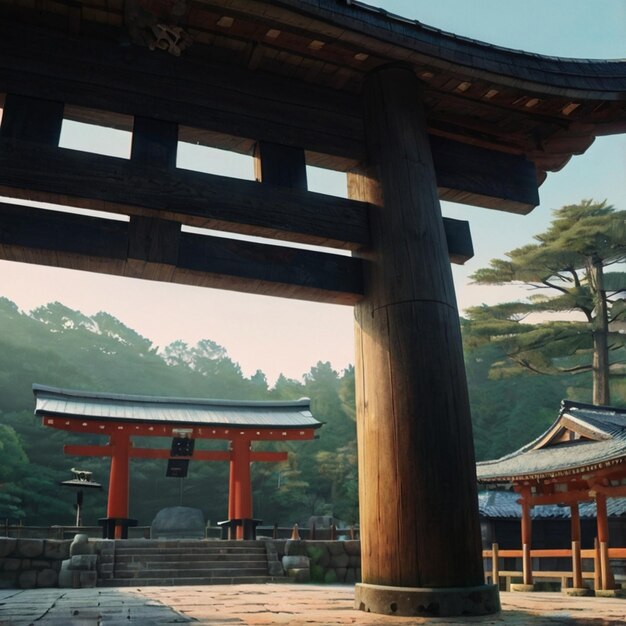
(58, 346)
(566, 271)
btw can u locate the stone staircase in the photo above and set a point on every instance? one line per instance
(144, 562)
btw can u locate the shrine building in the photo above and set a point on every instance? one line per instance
(122, 417)
(580, 458)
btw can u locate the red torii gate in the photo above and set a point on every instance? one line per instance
(124, 416)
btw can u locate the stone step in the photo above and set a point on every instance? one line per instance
(173, 559)
(190, 572)
(174, 566)
(184, 550)
(192, 580)
(187, 543)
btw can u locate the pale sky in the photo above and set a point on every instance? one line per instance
(278, 335)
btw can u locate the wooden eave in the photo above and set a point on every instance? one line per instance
(561, 473)
(544, 108)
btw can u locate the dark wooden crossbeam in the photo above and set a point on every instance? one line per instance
(157, 250)
(237, 107)
(116, 185)
(198, 199)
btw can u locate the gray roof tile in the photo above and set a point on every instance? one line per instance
(200, 411)
(504, 505)
(606, 424)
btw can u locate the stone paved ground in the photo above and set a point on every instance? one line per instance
(260, 605)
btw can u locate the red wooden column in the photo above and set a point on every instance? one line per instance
(577, 582)
(240, 482)
(606, 576)
(526, 541)
(417, 476)
(117, 505)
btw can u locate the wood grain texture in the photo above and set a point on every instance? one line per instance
(275, 164)
(213, 103)
(31, 119)
(154, 143)
(155, 249)
(417, 490)
(198, 199)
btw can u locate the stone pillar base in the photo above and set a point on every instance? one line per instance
(610, 593)
(577, 591)
(522, 588)
(429, 602)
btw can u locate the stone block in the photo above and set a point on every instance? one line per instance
(353, 548)
(39, 564)
(317, 573)
(318, 553)
(610, 593)
(339, 560)
(27, 579)
(88, 579)
(275, 568)
(178, 522)
(355, 561)
(8, 580)
(296, 562)
(56, 549)
(80, 545)
(10, 564)
(577, 591)
(7, 546)
(280, 547)
(29, 548)
(357, 574)
(66, 576)
(295, 548)
(335, 547)
(47, 578)
(341, 574)
(83, 562)
(350, 576)
(300, 575)
(330, 577)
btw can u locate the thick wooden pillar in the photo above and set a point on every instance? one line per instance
(241, 482)
(417, 477)
(117, 505)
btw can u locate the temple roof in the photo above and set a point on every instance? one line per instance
(542, 107)
(584, 437)
(89, 406)
(495, 504)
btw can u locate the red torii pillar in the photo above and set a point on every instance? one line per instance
(117, 503)
(120, 450)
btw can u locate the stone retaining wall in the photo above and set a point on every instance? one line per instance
(28, 563)
(329, 561)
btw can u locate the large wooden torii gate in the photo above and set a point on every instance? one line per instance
(414, 115)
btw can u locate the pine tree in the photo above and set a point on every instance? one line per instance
(567, 269)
